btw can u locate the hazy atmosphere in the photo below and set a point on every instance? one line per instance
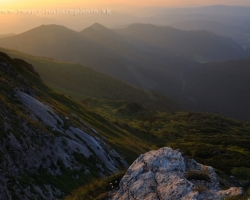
(19, 16)
(125, 100)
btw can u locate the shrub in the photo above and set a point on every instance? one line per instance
(241, 197)
(96, 189)
(198, 175)
(200, 188)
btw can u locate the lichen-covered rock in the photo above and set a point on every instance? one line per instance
(166, 175)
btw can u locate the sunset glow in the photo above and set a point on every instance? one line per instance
(21, 15)
(141, 3)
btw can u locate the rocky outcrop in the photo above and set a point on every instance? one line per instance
(166, 175)
(40, 141)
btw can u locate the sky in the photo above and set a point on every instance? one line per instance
(125, 11)
(81, 3)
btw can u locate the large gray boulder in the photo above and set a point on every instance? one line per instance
(165, 174)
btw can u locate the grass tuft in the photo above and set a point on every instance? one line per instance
(96, 189)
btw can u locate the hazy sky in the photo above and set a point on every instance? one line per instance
(83, 3)
(125, 12)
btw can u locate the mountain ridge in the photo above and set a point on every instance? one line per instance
(150, 67)
(83, 82)
(169, 39)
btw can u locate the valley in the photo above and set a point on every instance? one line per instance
(128, 127)
(155, 65)
(148, 101)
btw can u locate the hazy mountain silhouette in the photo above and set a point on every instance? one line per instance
(187, 43)
(96, 47)
(150, 57)
(61, 43)
(82, 83)
(219, 87)
(6, 35)
(238, 33)
(110, 40)
(49, 40)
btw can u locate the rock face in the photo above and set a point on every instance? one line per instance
(166, 175)
(39, 139)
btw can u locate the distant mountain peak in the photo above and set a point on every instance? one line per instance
(98, 27)
(49, 29)
(52, 26)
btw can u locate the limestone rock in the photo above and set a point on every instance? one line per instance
(165, 174)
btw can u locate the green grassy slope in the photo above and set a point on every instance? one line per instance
(131, 130)
(82, 82)
(124, 142)
(156, 129)
(209, 138)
